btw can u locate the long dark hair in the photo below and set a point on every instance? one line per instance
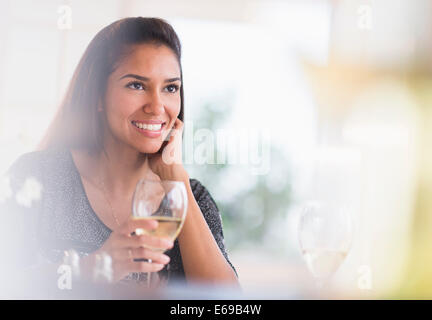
(77, 123)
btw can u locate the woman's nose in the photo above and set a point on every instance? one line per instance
(154, 104)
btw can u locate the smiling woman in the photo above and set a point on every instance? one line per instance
(122, 112)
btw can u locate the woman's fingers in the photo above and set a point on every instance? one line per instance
(177, 130)
(132, 266)
(178, 124)
(172, 153)
(140, 253)
(145, 241)
(154, 243)
(132, 224)
(123, 268)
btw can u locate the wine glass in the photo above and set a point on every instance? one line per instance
(164, 201)
(325, 235)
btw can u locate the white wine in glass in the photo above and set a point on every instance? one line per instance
(164, 201)
(168, 227)
(325, 235)
(323, 263)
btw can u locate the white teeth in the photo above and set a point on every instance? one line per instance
(151, 127)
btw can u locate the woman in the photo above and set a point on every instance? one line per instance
(125, 99)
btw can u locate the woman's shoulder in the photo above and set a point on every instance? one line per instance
(202, 196)
(198, 188)
(39, 156)
(30, 177)
(38, 164)
(195, 183)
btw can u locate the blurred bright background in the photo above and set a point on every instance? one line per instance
(323, 99)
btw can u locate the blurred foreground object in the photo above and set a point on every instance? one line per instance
(374, 95)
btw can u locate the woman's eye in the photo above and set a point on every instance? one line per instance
(135, 86)
(173, 88)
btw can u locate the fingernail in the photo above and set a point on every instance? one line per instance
(166, 259)
(168, 243)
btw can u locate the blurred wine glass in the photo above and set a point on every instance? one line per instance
(325, 236)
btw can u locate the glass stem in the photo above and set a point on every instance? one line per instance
(149, 276)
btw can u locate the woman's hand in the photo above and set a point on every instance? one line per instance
(167, 163)
(124, 248)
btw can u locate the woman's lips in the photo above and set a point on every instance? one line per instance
(149, 130)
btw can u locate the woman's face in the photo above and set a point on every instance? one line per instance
(142, 100)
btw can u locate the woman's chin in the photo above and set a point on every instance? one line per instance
(150, 149)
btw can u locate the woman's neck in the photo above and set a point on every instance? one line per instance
(118, 170)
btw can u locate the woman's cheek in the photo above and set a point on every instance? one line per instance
(174, 111)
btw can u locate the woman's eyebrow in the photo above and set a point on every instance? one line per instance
(135, 76)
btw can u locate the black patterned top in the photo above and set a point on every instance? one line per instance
(46, 211)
